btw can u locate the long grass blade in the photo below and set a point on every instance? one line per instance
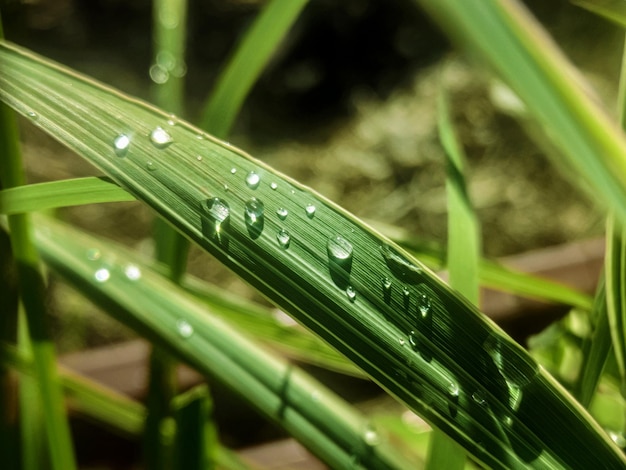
(613, 10)
(335, 275)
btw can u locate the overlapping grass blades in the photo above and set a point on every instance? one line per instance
(335, 275)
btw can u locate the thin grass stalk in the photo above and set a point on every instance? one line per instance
(31, 287)
(250, 58)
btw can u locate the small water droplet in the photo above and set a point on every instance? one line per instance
(172, 120)
(401, 341)
(400, 266)
(185, 330)
(160, 138)
(283, 238)
(33, 115)
(618, 438)
(217, 219)
(339, 260)
(93, 254)
(254, 217)
(406, 297)
(132, 272)
(199, 158)
(102, 275)
(121, 145)
(387, 290)
(273, 185)
(453, 389)
(310, 211)
(233, 171)
(423, 304)
(479, 398)
(413, 341)
(253, 180)
(282, 213)
(225, 187)
(453, 392)
(371, 437)
(351, 293)
(151, 166)
(199, 137)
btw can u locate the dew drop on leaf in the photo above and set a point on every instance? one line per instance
(132, 272)
(102, 275)
(93, 254)
(160, 138)
(184, 329)
(253, 180)
(371, 437)
(121, 144)
(283, 238)
(282, 213)
(351, 293)
(423, 304)
(216, 219)
(310, 211)
(387, 289)
(32, 115)
(254, 217)
(273, 185)
(233, 171)
(339, 260)
(151, 166)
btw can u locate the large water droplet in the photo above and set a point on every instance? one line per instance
(185, 330)
(387, 290)
(132, 272)
(283, 238)
(160, 138)
(282, 213)
(216, 220)
(102, 275)
(233, 171)
(253, 180)
(400, 266)
(254, 216)
(339, 260)
(121, 145)
(310, 211)
(351, 293)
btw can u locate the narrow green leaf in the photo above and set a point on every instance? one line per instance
(244, 68)
(612, 10)
(335, 275)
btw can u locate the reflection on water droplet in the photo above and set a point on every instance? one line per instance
(387, 289)
(151, 166)
(339, 260)
(371, 437)
(479, 398)
(102, 275)
(310, 211)
(406, 297)
(400, 266)
(423, 304)
(160, 138)
(253, 180)
(93, 254)
(216, 220)
(283, 238)
(225, 187)
(453, 389)
(254, 217)
(33, 115)
(185, 330)
(121, 144)
(618, 438)
(199, 158)
(132, 272)
(351, 293)
(282, 213)
(273, 185)
(233, 171)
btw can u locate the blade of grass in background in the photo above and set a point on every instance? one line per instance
(162, 312)
(351, 286)
(503, 35)
(248, 61)
(31, 289)
(613, 10)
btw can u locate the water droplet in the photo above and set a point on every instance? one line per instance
(225, 187)
(283, 238)
(233, 171)
(216, 220)
(253, 180)
(199, 158)
(199, 137)
(401, 341)
(618, 438)
(185, 330)
(371, 437)
(121, 144)
(310, 211)
(160, 138)
(453, 393)
(273, 185)
(453, 389)
(151, 166)
(159, 74)
(413, 341)
(339, 260)
(33, 115)
(282, 213)
(406, 297)
(93, 254)
(102, 275)
(351, 293)
(423, 304)
(132, 272)
(387, 289)
(479, 398)
(172, 120)
(254, 216)
(400, 266)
